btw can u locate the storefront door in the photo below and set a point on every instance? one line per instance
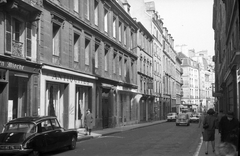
(17, 102)
(55, 99)
(82, 104)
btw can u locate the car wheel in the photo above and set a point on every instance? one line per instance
(176, 124)
(73, 143)
(34, 153)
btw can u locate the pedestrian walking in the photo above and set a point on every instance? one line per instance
(209, 125)
(229, 127)
(88, 122)
(219, 117)
(201, 119)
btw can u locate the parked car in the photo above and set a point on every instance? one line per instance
(183, 119)
(194, 118)
(171, 116)
(35, 135)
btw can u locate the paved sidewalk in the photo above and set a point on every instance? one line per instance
(109, 131)
(201, 150)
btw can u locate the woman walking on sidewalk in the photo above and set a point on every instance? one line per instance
(201, 119)
(88, 122)
(209, 125)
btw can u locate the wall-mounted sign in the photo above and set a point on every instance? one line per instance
(17, 66)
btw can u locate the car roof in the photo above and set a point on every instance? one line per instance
(31, 119)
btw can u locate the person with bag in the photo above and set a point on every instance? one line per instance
(209, 125)
(88, 122)
(228, 128)
(201, 119)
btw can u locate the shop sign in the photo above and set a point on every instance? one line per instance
(69, 78)
(15, 66)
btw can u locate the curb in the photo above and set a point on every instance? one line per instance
(95, 135)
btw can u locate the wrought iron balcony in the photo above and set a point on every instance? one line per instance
(17, 48)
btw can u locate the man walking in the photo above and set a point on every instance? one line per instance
(228, 127)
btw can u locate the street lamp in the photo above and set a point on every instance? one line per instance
(182, 45)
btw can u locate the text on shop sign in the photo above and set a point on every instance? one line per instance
(70, 78)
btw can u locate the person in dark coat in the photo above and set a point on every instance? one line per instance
(219, 117)
(88, 122)
(228, 127)
(200, 123)
(209, 132)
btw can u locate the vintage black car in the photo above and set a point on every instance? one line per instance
(35, 135)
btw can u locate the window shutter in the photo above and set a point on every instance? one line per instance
(8, 40)
(29, 41)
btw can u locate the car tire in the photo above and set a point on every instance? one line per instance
(34, 153)
(176, 124)
(73, 143)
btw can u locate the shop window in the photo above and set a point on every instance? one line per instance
(82, 104)
(54, 101)
(17, 101)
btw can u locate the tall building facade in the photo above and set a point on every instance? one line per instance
(19, 65)
(169, 71)
(145, 76)
(164, 57)
(227, 58)
(179, 83)
(62, 57)
(190, 86)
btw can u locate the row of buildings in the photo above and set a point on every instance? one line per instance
(62, 57)
(226, 27)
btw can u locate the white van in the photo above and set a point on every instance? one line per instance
(171, 116)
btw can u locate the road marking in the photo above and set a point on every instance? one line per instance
(111, 137)
(199, 147)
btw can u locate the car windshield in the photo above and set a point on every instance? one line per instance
(170, 114)
(182, 116)
(20, 127)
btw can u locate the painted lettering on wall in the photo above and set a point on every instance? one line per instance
(11, 65)
(69, 78)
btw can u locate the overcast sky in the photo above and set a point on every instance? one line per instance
(189, 22)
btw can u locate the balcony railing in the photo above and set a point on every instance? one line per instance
(17, 48)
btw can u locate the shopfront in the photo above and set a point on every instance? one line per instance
(67, 95)
(18, 89)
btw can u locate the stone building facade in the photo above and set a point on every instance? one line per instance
(227, 57)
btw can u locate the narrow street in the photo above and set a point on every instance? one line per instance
(165, 139)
